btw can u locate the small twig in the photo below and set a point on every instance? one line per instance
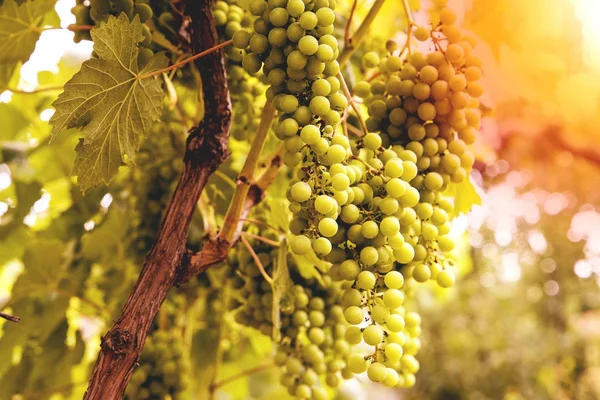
(361, 121)
(262, 239)
(255, 221)
(261, 267)
(242, 374)
(354, 130)
(186, 61)
(347, 38)
(74, 27)
(9, 317)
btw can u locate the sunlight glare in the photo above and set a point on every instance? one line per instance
(587, 12)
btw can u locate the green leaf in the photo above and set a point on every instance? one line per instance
(105, 242)
(6, 72)
(13, 121)
(465, 197)
(52, 368)
(110, 101)
(45, 263)
(27, 194)
(281, 286)
(280, 213)
(20, 28)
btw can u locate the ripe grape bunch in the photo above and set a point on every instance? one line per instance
(375, 207)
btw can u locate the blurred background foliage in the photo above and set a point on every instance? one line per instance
(522, 321)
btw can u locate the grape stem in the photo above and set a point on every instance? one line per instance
(347, 37)
(360, 33)
(361, 121)
(246, 176)
(255, 221)
(262, 239)
(261, 267)
(411, 24)
(185, 61)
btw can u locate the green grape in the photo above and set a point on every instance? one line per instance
(380, 313)
(394, 280)
(300, 244)
(322, 246)
(279, 16)
(310, 134)
(392, 378)
(445, 278)
(393, 298)
(377, 372)
(319, 105)
(369, 256)
(393, 351)
(353, 315)
(308, 45)
(144, 11)
(295, 8)
(328, 227)
(353, 334)
(357, 364)
(308, 20)
(366, 280)
(369, 229)
(301, 192)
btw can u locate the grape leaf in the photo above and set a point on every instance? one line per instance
(280, 213)
(27, 194)
(6, 72)
(20, 28)
(111, 101)
(465, 197)
(13, 121)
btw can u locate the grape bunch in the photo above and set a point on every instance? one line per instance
(311, 344)
(92, 12)
(374, 207)
(245, 90)
(81, 11)
(162, 370)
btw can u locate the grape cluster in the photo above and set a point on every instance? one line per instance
(157, 167)
(374, 207)
(245, 90)
(162, 370)
(81, 11)
(311, 346)
(92, 12)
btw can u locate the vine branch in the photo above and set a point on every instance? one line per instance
(246, 175)
(206, 149)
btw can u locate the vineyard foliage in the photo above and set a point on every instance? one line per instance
(351, 138)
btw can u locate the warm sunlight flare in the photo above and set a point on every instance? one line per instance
(587, 11)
